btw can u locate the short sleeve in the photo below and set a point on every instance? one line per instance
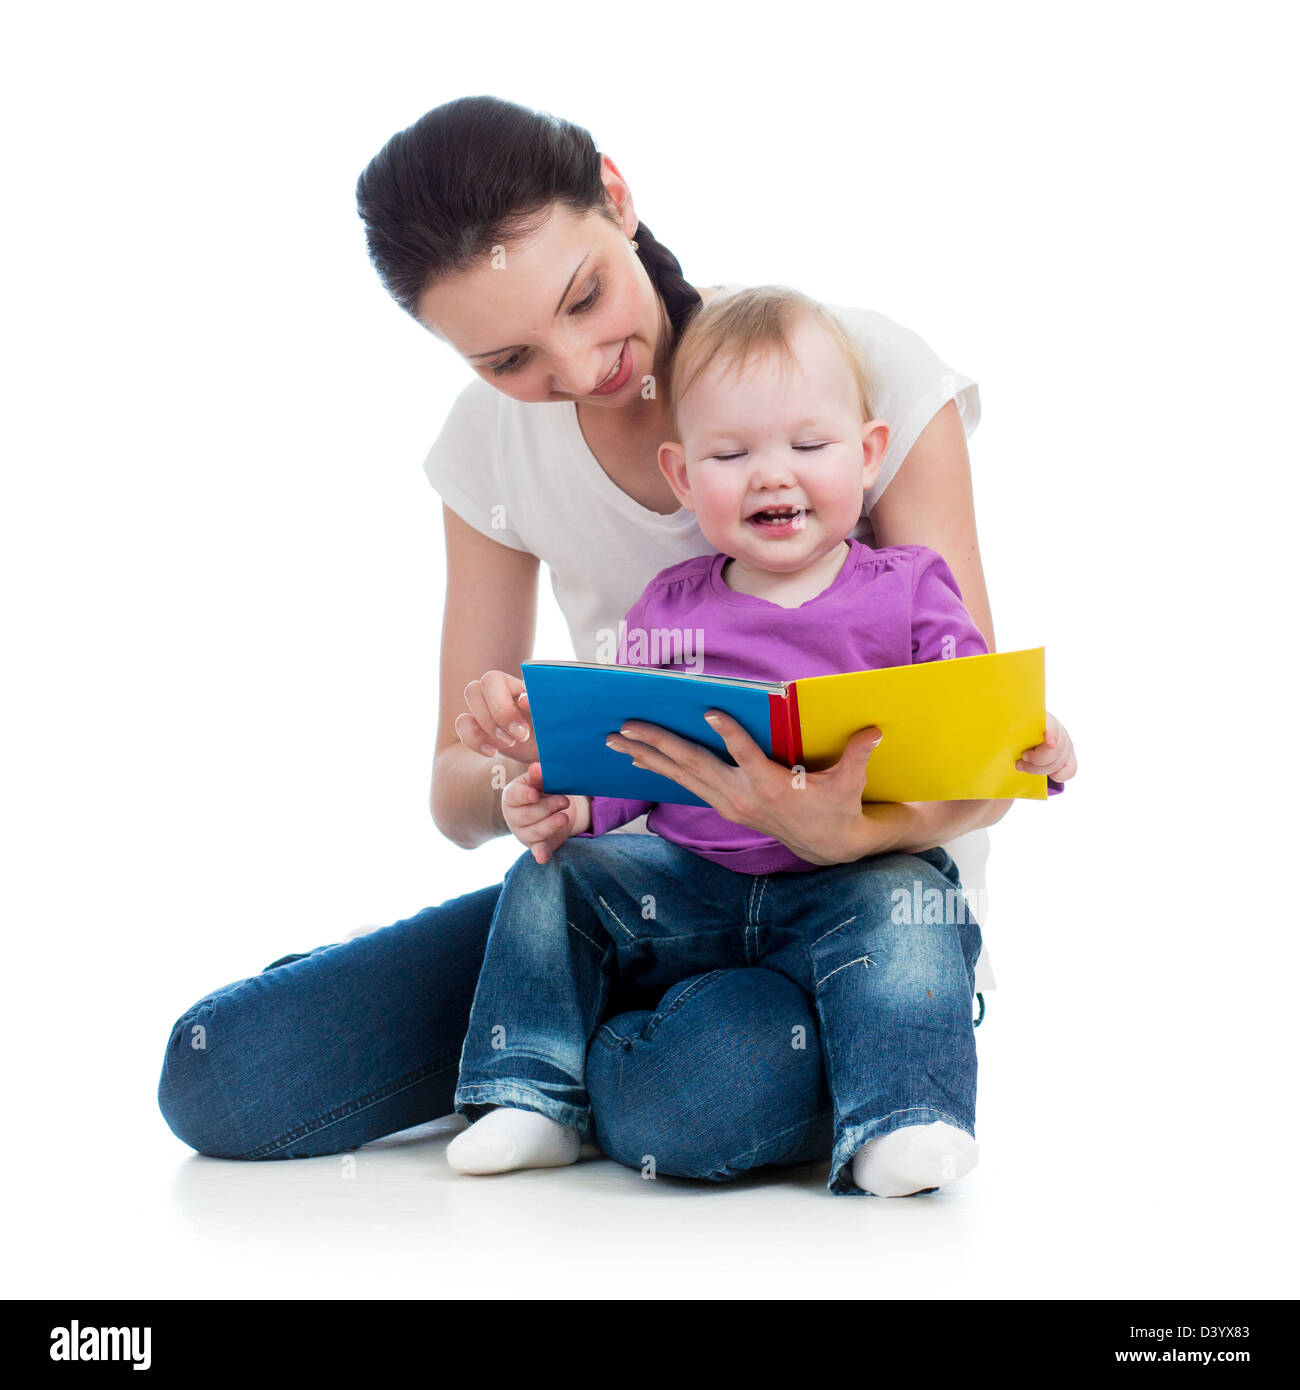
(464, 464)
(607, 812)
(941, 626)
(912, 384)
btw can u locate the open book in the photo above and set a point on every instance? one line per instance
(952, 730)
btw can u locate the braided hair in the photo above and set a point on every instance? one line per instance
(681, 298)
(472, 173)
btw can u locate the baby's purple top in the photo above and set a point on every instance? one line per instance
(890, 607)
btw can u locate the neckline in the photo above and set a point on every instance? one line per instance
(624, 501)
(720, 589)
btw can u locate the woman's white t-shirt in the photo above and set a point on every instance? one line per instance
(523, 474)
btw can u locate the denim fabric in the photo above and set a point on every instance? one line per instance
(883, 949)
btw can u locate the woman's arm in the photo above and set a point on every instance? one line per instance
(929, 501)
(489, 622)
(907, 827)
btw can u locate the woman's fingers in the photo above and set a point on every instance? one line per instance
(491, 701)
(470, 733)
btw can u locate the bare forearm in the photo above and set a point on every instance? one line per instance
(920, 825)
(465, 803)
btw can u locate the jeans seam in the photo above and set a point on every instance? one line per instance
(587, 939)
(857, 960)
(781, 1133)
(630, 935)
(833, 930)
(524, 1093)
(352, 1107)
(751, 920)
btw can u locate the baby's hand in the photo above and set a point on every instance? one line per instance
(539, 821)
(1054, 756)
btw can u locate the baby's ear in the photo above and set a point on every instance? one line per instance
(672, 464)
(875, 440)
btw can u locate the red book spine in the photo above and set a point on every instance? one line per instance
(787, 740)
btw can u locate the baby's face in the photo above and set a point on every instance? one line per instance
(777, 435)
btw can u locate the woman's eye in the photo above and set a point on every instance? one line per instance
(509, 365)
(583, 305)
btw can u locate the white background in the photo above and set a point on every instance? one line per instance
(223, 574)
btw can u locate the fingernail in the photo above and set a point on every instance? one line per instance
(712, 719)
(626, 732)
(504, 737)
(609, 742)
(519, 730)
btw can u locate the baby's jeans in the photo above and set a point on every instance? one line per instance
(885, 947)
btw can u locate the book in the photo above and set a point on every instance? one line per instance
(952, 730)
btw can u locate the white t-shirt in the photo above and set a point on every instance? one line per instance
(523, 475)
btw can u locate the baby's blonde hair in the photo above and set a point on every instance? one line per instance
(734, 327)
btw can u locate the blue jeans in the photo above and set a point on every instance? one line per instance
(884, 947)
(328, 1049)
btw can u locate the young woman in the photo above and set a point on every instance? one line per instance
(509, 236)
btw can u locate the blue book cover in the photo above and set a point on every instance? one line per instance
(576, 705)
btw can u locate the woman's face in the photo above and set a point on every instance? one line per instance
(569, 314)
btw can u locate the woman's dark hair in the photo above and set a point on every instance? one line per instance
(471, 174)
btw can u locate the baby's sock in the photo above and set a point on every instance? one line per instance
(508, 1138)
(915, 1157)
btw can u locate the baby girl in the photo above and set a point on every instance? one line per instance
(776, 442)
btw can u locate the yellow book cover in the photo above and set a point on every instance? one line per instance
(951, 730)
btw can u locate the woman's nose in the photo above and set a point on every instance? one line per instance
(577, 370)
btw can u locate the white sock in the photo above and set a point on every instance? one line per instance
(508, 1138)
(915, 1157)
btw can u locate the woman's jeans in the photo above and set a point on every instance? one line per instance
(326, 1050)
(885, 947)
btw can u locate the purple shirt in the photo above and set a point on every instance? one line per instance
(896, 606)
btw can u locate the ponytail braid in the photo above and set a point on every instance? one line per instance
(680, 297)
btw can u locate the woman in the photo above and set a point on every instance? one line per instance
(509, 236)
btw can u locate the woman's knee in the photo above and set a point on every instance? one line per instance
(726, 1075)
(191, 1092)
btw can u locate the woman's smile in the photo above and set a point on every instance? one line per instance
(619, 374)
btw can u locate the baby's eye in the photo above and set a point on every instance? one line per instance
(740, 453)
(807, 448)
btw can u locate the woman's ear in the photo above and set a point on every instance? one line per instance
(875, 440)
(672, 464)
(616, 187)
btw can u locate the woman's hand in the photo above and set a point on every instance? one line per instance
(1054, 756)
(498, 721)
(539, 821)
(818, 815)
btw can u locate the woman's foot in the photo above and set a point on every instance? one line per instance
(914, 1158)
(508, 1138)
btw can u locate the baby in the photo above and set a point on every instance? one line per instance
(776, 442)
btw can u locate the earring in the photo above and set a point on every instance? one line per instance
(634, 246)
